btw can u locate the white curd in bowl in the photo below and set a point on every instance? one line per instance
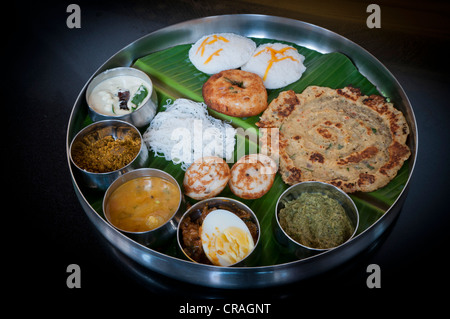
(119, 95)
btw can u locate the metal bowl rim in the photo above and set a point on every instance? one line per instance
(221, 198)
(326, 185)
(103, 122)
(142, 169)
(105, 72)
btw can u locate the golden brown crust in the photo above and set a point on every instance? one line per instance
(235, 93)
(252, 176)
(341, 137)
(280, 108)
(206, 177)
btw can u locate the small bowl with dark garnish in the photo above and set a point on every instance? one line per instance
(122, 93)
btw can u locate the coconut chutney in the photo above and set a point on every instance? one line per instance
(119, 95)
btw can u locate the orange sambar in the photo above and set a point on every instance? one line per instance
(143, 204)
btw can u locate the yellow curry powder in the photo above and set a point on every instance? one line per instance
(105, 154)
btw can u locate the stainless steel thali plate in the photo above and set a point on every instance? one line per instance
(257, 26)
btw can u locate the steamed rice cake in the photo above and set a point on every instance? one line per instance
(221, 51)
(277, 64)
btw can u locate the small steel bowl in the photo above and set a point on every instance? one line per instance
(194, 212)
(293, 192)
(157, 237)
(143, 115)
(117, 129)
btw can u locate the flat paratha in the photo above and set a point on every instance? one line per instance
(341, 137)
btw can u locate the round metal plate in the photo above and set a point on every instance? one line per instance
(259, 26)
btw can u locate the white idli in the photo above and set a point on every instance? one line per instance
(221, 51)
(277, 64)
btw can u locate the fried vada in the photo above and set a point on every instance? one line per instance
(235, 93)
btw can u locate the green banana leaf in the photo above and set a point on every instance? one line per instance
(174, 76)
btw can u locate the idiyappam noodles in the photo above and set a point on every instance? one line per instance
(184, 132)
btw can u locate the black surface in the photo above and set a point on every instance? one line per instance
(50, 63)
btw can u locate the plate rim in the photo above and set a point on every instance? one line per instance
(128, 246)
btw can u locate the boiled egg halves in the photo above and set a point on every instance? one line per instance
(226, 239)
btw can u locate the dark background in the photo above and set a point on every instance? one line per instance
(49, 65)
